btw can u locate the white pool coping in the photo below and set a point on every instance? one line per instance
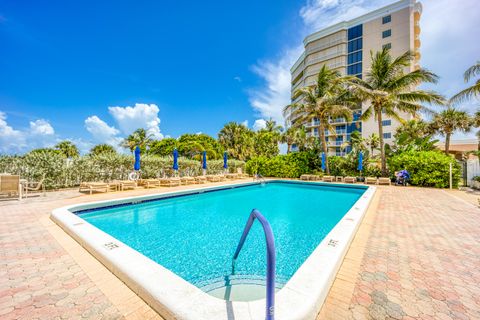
(174, 298)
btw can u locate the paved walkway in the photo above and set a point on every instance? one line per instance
(416, 256)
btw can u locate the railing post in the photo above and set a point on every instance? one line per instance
(270, 289)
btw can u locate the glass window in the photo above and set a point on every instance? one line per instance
(387, 33)
(355, 45)
(387, 46)
(387, 135)
(355, 32)
(354, 68)
(355, 57)
(386, 19)
(386, 123)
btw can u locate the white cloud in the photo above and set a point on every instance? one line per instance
(259, 124)
(237, 78)
(140, 116)
(103, 133)
(270, 100)
(39, 135)
(41, 127)
(245, 123)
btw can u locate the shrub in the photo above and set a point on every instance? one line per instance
(292, 165)
(60, 172)
(427, 168)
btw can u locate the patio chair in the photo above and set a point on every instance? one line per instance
(370, 180)
(231, 176)
(201, 179)
(338, 179)
(94, 186)
(170, 182)
(126, 184)
(327, 179)
(384, 181)
(213, 178)
(187, 180)
(149, 183)
(10, 186)
(34, 187)
(305, 177)
(350, 180)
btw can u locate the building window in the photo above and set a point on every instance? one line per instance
(386, 19)
(355, 32)
(354, 68)
(355, 57)
(355, 45)
(387, 135)
(387, 46)
(386, 123)
(387, 33)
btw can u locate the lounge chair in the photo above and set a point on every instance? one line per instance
(94, 186)
(34, 187)
(201, 179)
(187, 180)
(170, 182)
(349, 179)
(370, 180)
(305, 177)
(231, 176)
(125, 184)
(327, 179)
(385, 181)
(241, 175)
(149, 183)
(214, 178)
(10, 186)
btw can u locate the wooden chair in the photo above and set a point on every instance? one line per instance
(327, 179)
(34, 187)
(350, 180)
(10, 186)
(385, 181)
(370, 180)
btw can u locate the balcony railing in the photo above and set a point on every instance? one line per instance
(330, 66)
(325, 57)
(322, 46)
(342, 131)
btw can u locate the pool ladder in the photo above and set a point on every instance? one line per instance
(270, 289)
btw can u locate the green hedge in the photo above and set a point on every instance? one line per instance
(427, 168)
(292, 165)
(61, 172)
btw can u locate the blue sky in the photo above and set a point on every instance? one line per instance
(92, 71)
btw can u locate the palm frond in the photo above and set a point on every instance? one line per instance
(472, 72)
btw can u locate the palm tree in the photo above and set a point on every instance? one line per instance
(139, 137)
(373, 141)
(237, 140)
(356, 143)
(450, 120)
(102, 149)
(327, 98)
(302, 139)
(271, 126)
(414, 134)
(67, 149)
(288, 137)
(472, 91)
(389, 89)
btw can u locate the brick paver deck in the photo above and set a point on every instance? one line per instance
(415, 256)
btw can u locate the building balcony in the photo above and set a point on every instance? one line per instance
(343, 131)
(325, 57)
(326, 45)
(330, 66)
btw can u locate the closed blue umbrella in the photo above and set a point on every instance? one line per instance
(360, 162)
(136, 166)
(175, 159)
(225, 160)
(324, 161)
(204, 162)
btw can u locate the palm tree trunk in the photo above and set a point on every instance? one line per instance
(447, 143)
(382, 146)
(289, 147)
(324, 147)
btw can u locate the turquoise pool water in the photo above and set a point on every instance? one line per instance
(195, 236)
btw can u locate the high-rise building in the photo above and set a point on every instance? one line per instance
(346, 47)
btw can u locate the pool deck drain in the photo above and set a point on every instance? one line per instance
(415, 256)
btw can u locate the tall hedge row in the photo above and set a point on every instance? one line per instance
(61, 172)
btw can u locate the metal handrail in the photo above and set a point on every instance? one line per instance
(259, 177)
(270, 290)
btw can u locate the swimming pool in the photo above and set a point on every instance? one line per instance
(194, 234)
